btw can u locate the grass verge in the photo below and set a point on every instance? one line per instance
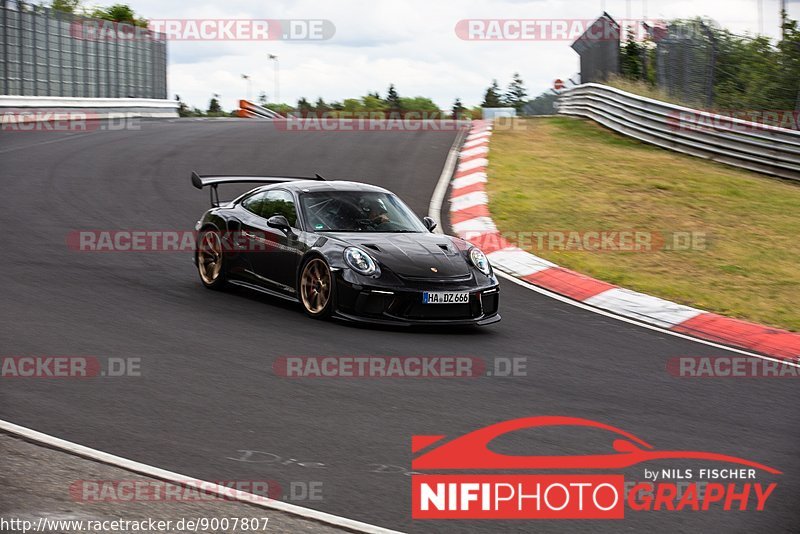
(565, 174)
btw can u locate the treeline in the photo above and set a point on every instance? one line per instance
(372, 103)
(749, 72)
(394, 104)
(513, 97)
(116, 13)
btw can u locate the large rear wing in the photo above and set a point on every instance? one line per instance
(214, 180)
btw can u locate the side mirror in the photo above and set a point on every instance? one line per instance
(279, 222)
(430, 224)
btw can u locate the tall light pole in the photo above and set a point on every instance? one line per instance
(274, 58)
(249, 85)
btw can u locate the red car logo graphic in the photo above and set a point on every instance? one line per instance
(471, 451)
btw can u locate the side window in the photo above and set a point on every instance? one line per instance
(280, 203)
(255, 203)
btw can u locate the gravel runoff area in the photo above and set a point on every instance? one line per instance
(36, 483)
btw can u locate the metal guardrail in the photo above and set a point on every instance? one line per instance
(748, 145)
(250, 110)
(23, 109)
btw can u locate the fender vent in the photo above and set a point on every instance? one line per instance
(372, 247)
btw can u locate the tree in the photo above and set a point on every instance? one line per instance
(373, 103)
(516, 93)
(321, 106)
(352, 105)
(541, 105)
(213, 106)
(282, 109)
(393, 99)
(183, 109)
(459, 111)
(492, 97)
(67, 6)
(631, 57)
(118, 13)
(304, 106)
(419, 104)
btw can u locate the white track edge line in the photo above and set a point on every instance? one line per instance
(435, 205)
(208, 487)
(600, 311)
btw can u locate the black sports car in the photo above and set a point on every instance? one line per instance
(342, 249)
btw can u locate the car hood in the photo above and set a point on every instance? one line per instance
(413, 255)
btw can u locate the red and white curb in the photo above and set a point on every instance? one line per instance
(470, 220)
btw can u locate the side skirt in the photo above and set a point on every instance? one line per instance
(260, 289)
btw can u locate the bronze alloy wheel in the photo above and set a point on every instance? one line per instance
(209, 258)
(316, 287)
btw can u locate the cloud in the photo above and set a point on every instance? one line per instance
(411, 43)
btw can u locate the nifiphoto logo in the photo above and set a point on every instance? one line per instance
(496, 488)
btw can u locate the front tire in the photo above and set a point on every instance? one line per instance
(316, 288)
(211, 260)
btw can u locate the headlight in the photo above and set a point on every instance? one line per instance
(479, 260)
(359, 261)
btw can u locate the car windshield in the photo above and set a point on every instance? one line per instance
(358, 211)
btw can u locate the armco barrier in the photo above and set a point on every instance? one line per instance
(748, 145)
(15, 109)
(249, 110)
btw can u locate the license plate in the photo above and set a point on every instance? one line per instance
(445, 297)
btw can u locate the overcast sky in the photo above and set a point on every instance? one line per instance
(411, 43)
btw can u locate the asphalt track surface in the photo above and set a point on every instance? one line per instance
(208, 392)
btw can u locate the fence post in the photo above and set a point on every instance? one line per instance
(5, 48)
(47, 48)
(21, 44)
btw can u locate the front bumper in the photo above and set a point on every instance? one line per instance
(384, 305)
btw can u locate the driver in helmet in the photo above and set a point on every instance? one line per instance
(376, 211)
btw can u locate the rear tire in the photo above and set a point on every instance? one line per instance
(211, 259)
(316, 288)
